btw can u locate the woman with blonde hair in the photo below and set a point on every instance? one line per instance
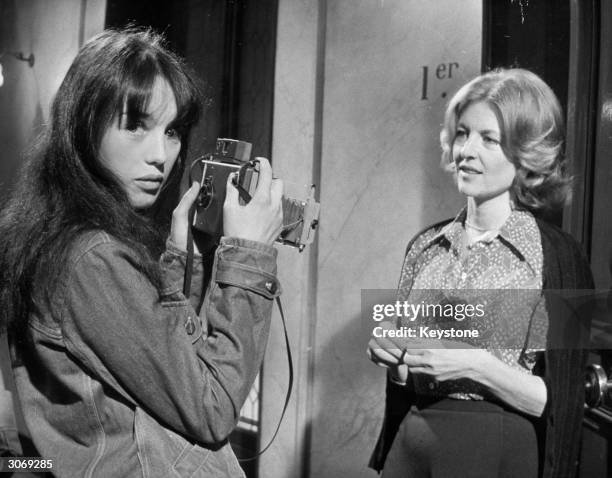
(509, 402)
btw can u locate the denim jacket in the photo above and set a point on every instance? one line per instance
(120, 380)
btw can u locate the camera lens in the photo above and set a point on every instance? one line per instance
(206, 193)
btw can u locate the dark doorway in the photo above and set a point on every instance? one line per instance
(231, 46)
(534, 35)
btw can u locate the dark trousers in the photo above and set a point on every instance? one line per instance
(463, 439)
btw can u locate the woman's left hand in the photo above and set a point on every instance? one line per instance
(444, 363)
(449, 360)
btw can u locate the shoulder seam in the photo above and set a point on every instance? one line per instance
(101, 238)
(437, 226)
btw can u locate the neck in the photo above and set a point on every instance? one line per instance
(489, 214)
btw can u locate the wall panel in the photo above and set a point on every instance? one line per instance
(386, 70)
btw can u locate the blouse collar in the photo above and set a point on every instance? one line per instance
(519, 232)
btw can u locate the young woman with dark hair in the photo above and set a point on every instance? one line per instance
(117, 374)
(508, 403)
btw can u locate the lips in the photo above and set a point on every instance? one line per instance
(152, 177)
(468, 169)
(151, 182)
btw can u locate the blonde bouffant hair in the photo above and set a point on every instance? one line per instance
(532, 133)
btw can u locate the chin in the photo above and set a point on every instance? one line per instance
(141, 203)
(467, 189)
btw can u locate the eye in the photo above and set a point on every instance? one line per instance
(135, 126)
(173, 133)
(461, 134)
(490, 140)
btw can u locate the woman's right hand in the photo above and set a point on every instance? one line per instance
(261, 219)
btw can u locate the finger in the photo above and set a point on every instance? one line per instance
(393, 343)
(375, 360)
(391, 356)
(385, 343)
(231, 191)
(372, 344)
(383, 356)
(265, 179)
(276, 191)
(398, 342)
(377, 354)
(415, 361)
(187, 200)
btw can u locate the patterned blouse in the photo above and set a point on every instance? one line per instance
(500, 275)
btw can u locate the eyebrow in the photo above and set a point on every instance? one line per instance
(175, 123)
(482, 131)
(140, 114)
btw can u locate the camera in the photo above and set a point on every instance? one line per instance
(300, 217)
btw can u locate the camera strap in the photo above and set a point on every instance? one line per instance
(289, 387)
(190, 252)
(187, 293)
(243, 193)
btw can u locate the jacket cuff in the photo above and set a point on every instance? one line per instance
(249, 265)
(173, 261)
(173, 249)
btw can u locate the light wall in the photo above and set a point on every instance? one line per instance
(352, 113)
(52, 30)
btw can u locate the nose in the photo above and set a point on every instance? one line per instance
(157, 150)
(468, 148)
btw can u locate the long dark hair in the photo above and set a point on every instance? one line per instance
(64, 190)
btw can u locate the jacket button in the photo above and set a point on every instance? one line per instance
(189, 326)
(270, 287)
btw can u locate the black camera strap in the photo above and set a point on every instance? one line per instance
(187, 293)
(289, 387)
(243, 193)
(190, 253)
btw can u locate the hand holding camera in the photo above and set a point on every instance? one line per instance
(229, 182)
(261, 219)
